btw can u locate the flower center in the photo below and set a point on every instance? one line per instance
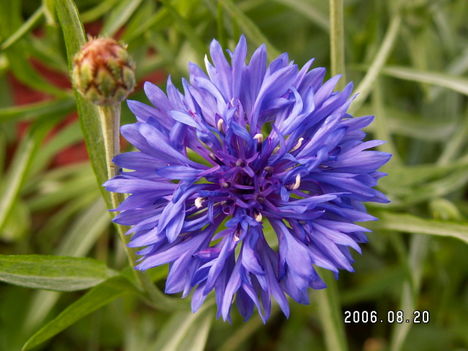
(243, 184)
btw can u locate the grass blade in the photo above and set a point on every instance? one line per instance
(59, 273)
(19, 169)
(93, 300)
(448, 81)
(410, 290)
(119, 16)
(172, 336)
(329, 310)
(411, 224)
(365, 86)
(36, 110)
(248, 26)
(25, 28)
(308, 10)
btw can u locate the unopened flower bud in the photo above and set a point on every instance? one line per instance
(103, 72)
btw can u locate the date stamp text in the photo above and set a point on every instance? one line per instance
(391, 317)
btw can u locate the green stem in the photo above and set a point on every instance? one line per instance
(365, 86)
(110, 122)
(337, 51)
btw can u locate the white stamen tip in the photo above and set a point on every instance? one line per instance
(236, 237)
(297, 183)
(258, 137)
(258, 217)
(220, 124)
(298, 145)
(199, 202)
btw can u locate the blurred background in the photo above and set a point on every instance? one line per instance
(409, 62)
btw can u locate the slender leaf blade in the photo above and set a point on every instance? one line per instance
(60, 273)
(411, 224)
(93, 300)
(448, 81)
(248, 26)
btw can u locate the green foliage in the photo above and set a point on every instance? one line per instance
(52, 272)
(410, 65)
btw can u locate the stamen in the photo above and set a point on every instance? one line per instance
(259, 217)
(216, 158)
(297, 183)
(258, 137)
(220, 124)
(298, 145)
(269, 170)
(240, 163)
(199, 202)
(237, 236)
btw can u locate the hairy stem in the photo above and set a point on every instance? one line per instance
(110, 122)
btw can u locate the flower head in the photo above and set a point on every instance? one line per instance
(103, 72)
(247, 180)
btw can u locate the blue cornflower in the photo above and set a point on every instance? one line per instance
(247, 180)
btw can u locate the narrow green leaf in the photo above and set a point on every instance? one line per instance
(458, 67)
(85, 230)
(93, 300)
(23, 70)
(74, 36)
(36, 110)
(411, 224)
(410, 290)
(17, 224)
(25, 28)
(365, 86)
(49, 11)
(180, 325)
(329, 309)
(448, 81)
(248, 26)
(455, 144)
(402, 178)
(68, 136)
(374, 285)
(404, 123)
(155, 22)
(196, 337)
(60, 273)
(76, 242)
(186, 28)
(97, 11)
(308, 10)
(119, 16)
(246, 330)
(19, 169)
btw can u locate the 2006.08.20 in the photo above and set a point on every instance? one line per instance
(417, 317)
